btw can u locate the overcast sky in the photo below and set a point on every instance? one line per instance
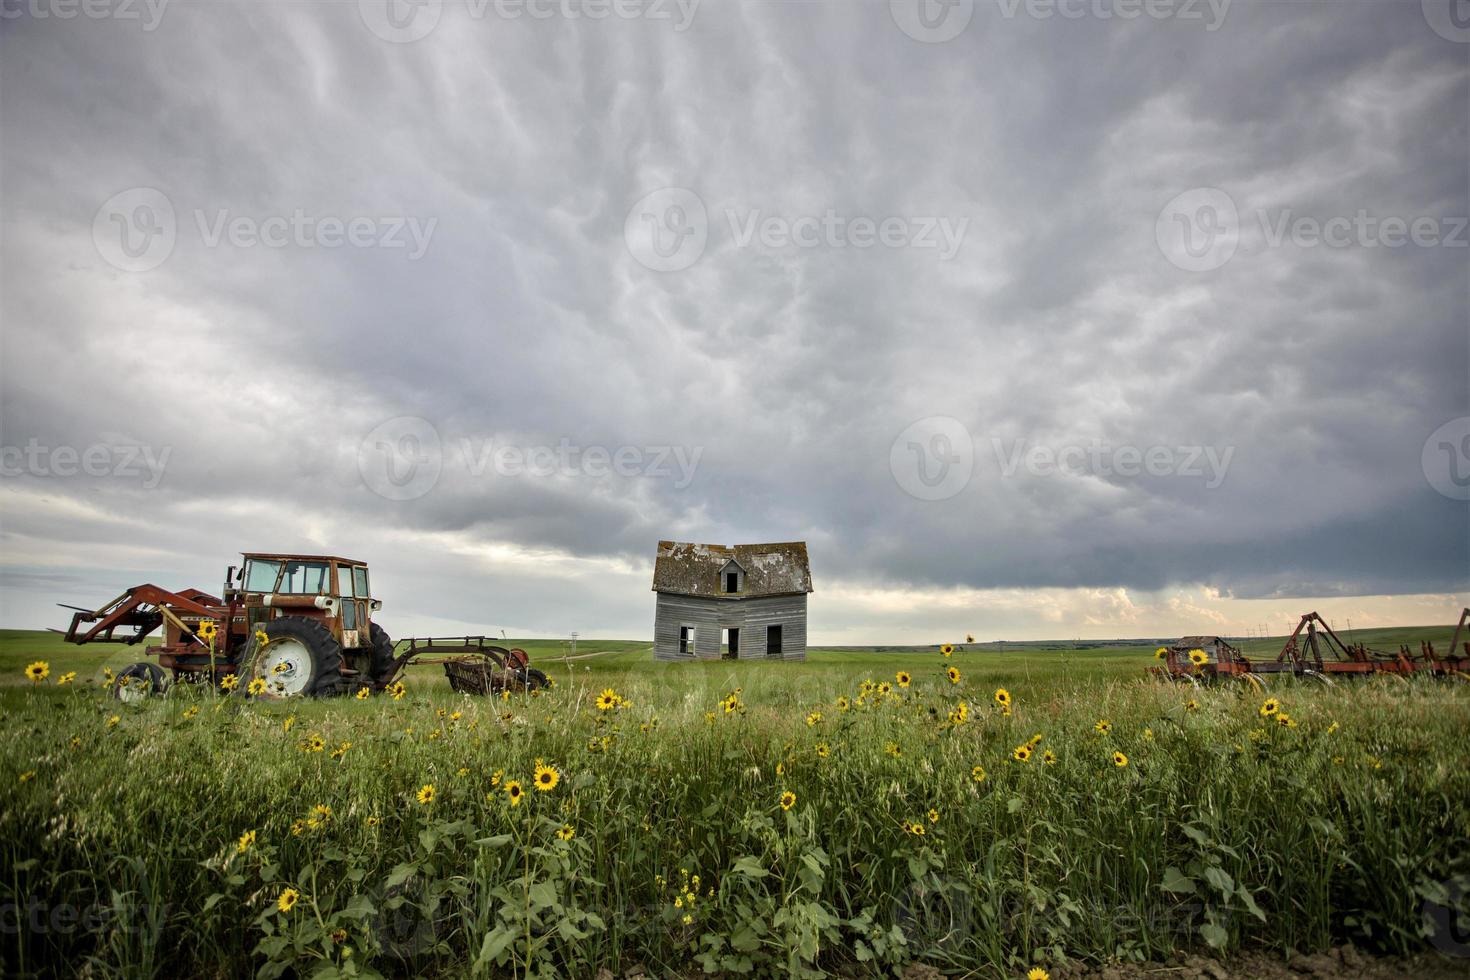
(1034, 319)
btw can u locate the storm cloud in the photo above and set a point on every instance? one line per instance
(1107, 302)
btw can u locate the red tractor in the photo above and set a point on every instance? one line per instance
(299, 624)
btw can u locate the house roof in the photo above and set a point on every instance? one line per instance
(685, 568)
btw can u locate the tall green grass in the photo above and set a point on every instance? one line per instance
(1225, 828)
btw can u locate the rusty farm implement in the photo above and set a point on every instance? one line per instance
(1313, 652)
(285, 626)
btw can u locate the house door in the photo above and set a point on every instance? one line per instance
(773, 641)
(732, 644)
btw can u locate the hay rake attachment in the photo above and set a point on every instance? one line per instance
(1313, 652)
(473, 664)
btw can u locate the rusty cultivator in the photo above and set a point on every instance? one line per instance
(1314, 652)
(287, 626)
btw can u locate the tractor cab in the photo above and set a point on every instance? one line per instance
(333, 590)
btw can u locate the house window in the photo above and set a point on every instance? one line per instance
(686, 641)
(773, 641)
(732, 581)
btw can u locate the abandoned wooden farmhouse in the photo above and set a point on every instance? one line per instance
(745, 602)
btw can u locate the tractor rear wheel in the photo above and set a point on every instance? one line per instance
(535, 680)
(380, 660)
(301, 658)
(139, 681)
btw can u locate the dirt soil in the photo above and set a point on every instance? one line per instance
(1342, 963)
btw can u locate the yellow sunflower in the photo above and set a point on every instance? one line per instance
(567, 832)
(788, 800)
(425, 795)
(1161, 653)
(1191, 705)
(287, 900)
(247, 839)
(1120, 760)
(1002, 696)
(38, 671)
(842, 703)
(1103, 727)
(545, 778)
(229, 682)
(1021, 753)
(1270, 707)
(514, 792)
(903, 678)
(256, 687)
(933, 815)
(1037, 973)
(978, 774)
(953, 673)
(363, 693)
(822, 750)
(947, 649)
(1198, 658)
(1049, 757)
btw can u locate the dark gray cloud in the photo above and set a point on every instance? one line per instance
(517, 147)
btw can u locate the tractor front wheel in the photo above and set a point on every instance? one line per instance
(300, 658)
(380, 662)
(139, 681)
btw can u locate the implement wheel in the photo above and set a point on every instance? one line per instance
(300, 658)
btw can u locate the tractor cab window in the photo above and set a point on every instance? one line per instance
(359, 578)
(260, 576)
(304, 578)
(344, 581)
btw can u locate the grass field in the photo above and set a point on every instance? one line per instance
(204, 835)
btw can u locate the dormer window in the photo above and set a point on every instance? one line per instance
(732, 579)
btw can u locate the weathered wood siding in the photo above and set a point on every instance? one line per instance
(749, 616)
